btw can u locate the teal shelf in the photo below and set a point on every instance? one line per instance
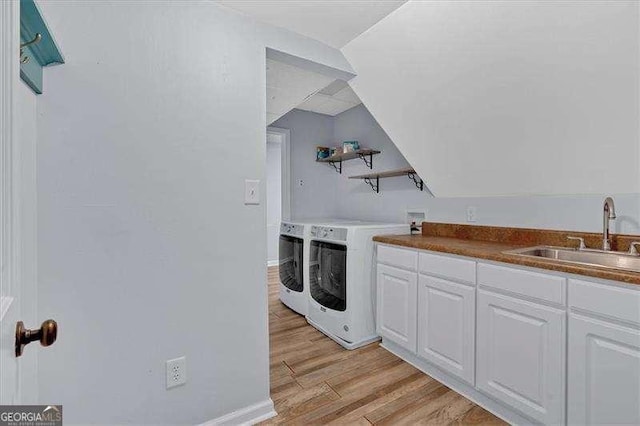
(41, 54)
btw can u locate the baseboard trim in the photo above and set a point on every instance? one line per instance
(246, 416)
(273, 262)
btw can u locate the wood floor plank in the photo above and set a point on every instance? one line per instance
(306, 400)
(479, 416)
(419, 410)
(331, 370)
(314, 381)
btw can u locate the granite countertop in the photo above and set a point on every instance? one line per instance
(489, 243)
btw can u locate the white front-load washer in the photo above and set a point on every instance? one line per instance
(342, 280)
(293, 255)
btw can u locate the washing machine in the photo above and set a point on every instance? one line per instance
(342, 280)
(293, 261)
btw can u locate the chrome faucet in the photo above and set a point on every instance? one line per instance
(609, 212)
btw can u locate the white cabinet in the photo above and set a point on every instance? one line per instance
(446, 325)
(520, 355)
(604, 372)
(505, 332)
(604, 354)
(396, 305)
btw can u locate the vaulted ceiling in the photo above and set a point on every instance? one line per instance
(288, 86)
(333, 22)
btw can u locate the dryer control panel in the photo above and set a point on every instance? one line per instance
(329, 233)
(291, 229)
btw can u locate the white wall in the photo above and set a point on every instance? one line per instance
(355, 200)
(274, 198)
(508, 97)
(146, 249)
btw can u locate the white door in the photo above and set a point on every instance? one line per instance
(396, 310)
(604, 372)
(446, 325)
(520, 355)
(18, 287)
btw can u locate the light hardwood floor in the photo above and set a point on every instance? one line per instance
(316, 381)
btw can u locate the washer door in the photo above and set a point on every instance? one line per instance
(328, 274)
(291, 266)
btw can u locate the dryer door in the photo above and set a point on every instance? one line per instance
(291, 266)
(328, 274)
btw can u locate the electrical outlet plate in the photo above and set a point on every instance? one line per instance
(176, 372)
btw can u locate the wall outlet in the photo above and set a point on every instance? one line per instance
(300, 182)
(251, 191)
(176, 372)
(472, 214)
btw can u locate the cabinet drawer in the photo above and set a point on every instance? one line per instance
(448, 267)
(401, 258)
(610, 300)
(539, 286)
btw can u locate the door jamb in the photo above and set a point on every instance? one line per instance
(9, 154)
(285, 168)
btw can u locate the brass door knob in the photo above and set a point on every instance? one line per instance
(46, 334)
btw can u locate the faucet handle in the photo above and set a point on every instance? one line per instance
(632, 248)
(582, 245)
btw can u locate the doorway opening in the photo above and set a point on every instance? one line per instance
(278, 199)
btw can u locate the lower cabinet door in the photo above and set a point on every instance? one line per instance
(446, 325)
(396, 305)
(520, 355)
(604, 372)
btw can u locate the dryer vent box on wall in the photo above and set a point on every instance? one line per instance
(417, 216)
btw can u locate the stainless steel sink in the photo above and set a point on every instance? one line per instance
(607, 259)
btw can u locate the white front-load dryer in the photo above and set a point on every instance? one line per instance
(341, 278)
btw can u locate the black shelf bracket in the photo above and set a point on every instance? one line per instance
(416, 180)
(376, 186)
(368, 162)
(338, 169)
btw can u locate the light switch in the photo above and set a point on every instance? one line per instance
(251, 191)
(472, 214)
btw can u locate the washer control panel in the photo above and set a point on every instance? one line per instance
(291, 229)
(329, 233)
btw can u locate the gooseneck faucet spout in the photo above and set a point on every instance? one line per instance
(609, 212)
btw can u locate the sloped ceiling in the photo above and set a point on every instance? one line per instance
(508, 98)
(333, 22)
(332, 100)
(289, 86)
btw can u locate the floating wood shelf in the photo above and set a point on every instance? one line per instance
(407, 171)
(365, 155)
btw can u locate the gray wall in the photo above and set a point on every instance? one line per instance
(354, 199)
(146, 249)
(315, 197)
